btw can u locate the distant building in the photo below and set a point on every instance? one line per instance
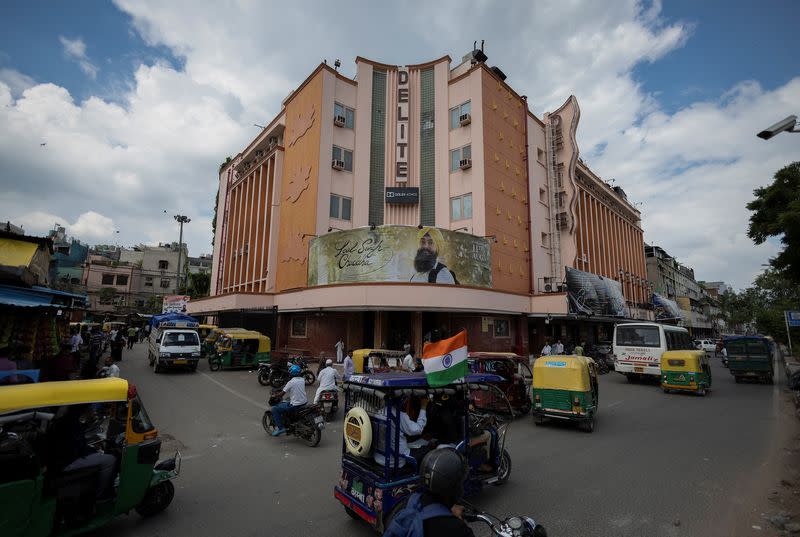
(200, 264)
(69, 257)
(8, 227)
(716, 289)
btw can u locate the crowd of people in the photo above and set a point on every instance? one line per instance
(555, 348)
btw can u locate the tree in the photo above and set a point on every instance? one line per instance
(199, 284)
(776, 213)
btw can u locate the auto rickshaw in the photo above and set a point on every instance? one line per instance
(376, 479)
(36, 498)
(208, 345)
(565, 388)
(516, 375)
(377, 360)
(750, 357)
(244, 348)
(204, 330)
(108, 326)
(685, 371)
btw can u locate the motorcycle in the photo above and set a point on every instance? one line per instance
(279, 377)
(263, 373)
(513, 526)
(599, 359)
(329, 400)
(306, 423)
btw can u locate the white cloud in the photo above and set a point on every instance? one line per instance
(159, 146)
(16, 81)
(89, 227)
(75, 50)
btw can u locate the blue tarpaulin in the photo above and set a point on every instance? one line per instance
(33, 297)
(155, 320)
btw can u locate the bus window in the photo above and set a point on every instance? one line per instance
(638, 336)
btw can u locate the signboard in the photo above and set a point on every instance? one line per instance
(401, 146)
(793, 319)
(666, 309)
(402, 195)
(590, 294)
(400, 254)
(175, 303)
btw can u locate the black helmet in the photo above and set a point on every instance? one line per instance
(443, 472)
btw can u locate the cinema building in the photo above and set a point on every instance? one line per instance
(416, 200)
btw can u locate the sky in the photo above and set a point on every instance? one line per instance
(115, 116)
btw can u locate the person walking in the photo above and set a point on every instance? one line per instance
(117, 344)
(349, 366)
(558, 348)
(339, 351)
(547, 349)
(75, 347)
(579, 349)
(131, 337)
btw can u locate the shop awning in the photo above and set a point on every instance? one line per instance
(39, 297)
(16, 253)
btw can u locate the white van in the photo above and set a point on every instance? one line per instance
(174, 344)
(638, 347)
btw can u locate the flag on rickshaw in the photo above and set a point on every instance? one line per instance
(445, 361)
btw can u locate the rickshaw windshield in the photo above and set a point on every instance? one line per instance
(140, 421)
(489, 407)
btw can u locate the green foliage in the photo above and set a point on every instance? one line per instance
(199, 284)
(776, 213)
(214, 219)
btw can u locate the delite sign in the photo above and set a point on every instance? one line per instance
(401, 152)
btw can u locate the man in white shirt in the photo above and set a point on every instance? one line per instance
(547, 349)
(327, 379)
(296, 390)
(76, 341)
(110, 370)
(558, 348)
(408, 361)
(408, 427)
(339, 351)
(349, 366)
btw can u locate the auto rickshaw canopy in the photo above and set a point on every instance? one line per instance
(562, 373)
(67, 392)
(361, 357)
(226, 340)
(690, 361)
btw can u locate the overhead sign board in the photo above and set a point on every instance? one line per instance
(402, 195)
(793, 319)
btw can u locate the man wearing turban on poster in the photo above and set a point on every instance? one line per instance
(426, 262)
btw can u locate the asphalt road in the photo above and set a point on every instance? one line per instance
(656, 465)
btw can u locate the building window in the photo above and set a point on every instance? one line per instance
(540, 156)
(122, 279)
(501, 328)
(544, 239)
(108, 279)
(543, 196)
(341, 207)
(148, 281)
(165, 283)
(344, 155)
(461, 207)
(298, 327)
(457, 112)
(163, 264)
(457, 155)
(347, 113)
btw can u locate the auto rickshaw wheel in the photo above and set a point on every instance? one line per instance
(526, 407)
(588, 425)
(353, 514)
(504, 469)
(309, 377)
(156, 499)
(537, 419)
(214, 365)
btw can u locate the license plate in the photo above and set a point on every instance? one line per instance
(638, 370)
(179, 362)
(319, 419)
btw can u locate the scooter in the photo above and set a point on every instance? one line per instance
(306, 422)
(513, 526)
(329, 401)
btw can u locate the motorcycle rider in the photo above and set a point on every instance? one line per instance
(296, 390)
(442, 473)
(327, 379)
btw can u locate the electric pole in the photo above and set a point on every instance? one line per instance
(181, 219)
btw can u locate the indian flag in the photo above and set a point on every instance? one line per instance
(445, 360)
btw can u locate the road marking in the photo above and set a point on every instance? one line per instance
(615, 403)
(234, 392)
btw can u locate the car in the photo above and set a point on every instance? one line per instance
(708, 345)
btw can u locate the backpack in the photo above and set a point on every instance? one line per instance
(433, 274)
(408, 522)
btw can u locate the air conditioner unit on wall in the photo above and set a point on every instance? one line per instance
(339, 121)
(337, 164)
(465, 163)
(464, 119)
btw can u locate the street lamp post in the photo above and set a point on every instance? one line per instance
(181, 219)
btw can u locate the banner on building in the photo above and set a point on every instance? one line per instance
(175, 303)
(400, 254)
(666, 309)
(590, 294)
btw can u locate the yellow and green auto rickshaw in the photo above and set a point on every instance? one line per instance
(377, 360)
(40, 495)
(685, 371)
(108, 326)
(204, 330)
(209, 344)
(565, 388)
(242, 348)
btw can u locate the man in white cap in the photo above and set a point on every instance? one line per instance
(327, 379)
